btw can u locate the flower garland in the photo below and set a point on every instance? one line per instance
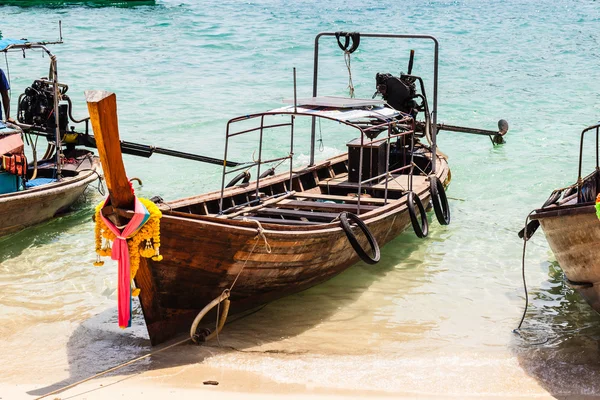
(148, 233)
(598, 206)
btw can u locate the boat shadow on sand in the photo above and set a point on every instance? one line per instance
(560, 340)
(99, 344)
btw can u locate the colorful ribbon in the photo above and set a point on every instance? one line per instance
(120, 253)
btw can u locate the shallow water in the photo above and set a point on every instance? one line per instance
(436, 315)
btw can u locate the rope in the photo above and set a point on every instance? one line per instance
(224, 296)
(321, 145)
(113, 369)
(350, 84)
(260, 233)
(525, 240)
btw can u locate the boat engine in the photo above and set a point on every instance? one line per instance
(400, 93)
(36, 105)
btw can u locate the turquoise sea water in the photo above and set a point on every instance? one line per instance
(181, 69)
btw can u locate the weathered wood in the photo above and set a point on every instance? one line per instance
(102, 107)
(261, 205)
(573, 233)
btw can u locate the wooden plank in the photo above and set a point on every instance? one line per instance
(310, 215)
(319, 205)
(347, 199)
(102, 107)
(261, 205)
(280, 221)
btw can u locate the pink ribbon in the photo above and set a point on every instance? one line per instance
(120, 253)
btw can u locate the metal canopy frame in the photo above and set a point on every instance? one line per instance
(382, 36)
(402, 120)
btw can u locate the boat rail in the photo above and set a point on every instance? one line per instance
(580, 180)
(400, 122)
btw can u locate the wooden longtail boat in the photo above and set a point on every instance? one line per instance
(34, 192)
(570, 223)
(259, 240)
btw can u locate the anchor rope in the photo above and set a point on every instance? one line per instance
(224, 296)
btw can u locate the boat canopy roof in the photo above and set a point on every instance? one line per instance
(7, 44)
(341, 108)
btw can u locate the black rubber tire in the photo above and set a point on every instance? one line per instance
(439, 200)
(554, 197)
(242, 175)
(569, 192)
(344, 217)
(269, 172)
(421, 230)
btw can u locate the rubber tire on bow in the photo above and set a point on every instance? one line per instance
(242, 175)
(421, 230)
(269, 172)
(439, 200)
(554, 197)
(569, 192)
(344, 217)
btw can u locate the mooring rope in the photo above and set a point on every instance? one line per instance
(224, 296)
(526, 238)
(113, 369)
(350, 84)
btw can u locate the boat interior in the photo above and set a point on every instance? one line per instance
(392, 166)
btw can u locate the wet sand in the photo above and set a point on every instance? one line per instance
(270, 371)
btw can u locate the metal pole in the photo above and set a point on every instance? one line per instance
(224, 167)
(56, 117)
(295, 93)
(262, 124)
(291, 151)
(314, 120)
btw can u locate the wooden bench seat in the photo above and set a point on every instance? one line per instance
(267, 220)
(309, 215)
(322, 206)
(347, 199)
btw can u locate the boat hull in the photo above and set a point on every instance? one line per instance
(203, 256)
(22, 209)
(573, 233)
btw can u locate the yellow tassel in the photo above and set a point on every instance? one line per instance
(157, 258)
(98, 263)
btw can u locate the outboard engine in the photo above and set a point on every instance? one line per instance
(36, 107)
(400, 93)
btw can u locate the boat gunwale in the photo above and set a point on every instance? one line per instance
(564, 210)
